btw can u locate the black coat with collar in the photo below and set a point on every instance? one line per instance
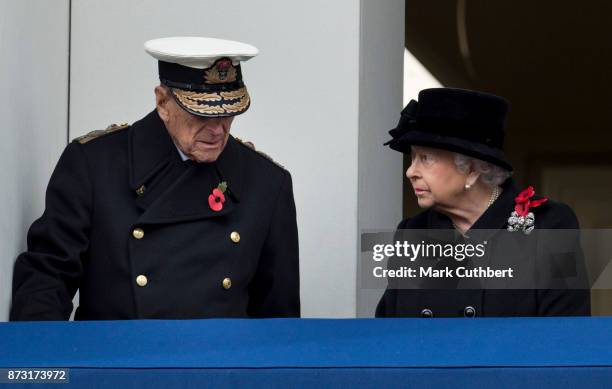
(85, 241)
(491, 302)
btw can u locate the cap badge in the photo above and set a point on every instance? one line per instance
(222, 72)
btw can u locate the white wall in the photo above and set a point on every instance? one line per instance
(380, 104)
(324, 94)
(33, 108)
(416, 78)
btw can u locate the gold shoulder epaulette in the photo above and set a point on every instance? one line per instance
(251, 146)
(248, 144)
(98, 133)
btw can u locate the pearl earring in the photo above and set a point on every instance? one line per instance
(467, 186)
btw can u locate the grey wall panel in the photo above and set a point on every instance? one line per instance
(33, 108)
(380, 103)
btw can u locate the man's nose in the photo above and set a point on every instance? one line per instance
(215, 127)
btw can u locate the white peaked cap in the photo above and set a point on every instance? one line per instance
(198, 52)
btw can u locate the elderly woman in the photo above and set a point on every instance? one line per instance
(461, 178)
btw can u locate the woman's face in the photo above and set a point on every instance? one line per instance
(435, 178)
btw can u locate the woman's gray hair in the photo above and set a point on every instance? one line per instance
(492, 175)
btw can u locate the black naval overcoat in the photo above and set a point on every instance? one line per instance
(128, 224)
(468, 302)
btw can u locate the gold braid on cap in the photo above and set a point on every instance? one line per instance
(193, 105)
(191, 100)
(199, 95)
(237, 94)
(238, 106)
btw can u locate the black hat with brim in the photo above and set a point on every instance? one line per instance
(463, 121)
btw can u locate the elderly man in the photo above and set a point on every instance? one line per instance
(170, 217)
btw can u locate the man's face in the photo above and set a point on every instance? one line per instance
(201, 139)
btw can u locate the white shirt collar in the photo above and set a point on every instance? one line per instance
(183, 156)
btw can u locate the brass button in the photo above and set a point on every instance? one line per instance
(235, 237)
(141, 190)
(138, 233)
(227, 283)
(142, 280)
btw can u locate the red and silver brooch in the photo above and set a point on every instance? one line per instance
(522, 219)
(217, 197)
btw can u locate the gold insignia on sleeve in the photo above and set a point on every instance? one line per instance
(98, 133)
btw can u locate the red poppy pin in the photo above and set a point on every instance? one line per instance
(522, 219)
(217, 197)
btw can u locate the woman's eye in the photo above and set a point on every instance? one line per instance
(427, 159)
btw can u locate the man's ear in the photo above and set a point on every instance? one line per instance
(162, 102)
